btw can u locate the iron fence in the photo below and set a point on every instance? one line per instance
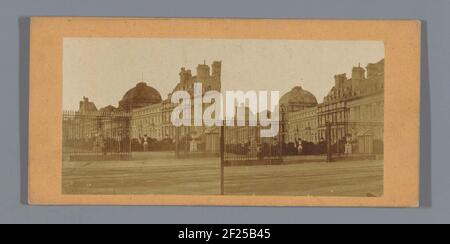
(243, 145)
(191, 141)
(96, 136)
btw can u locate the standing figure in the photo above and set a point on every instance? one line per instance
(97, 144)
(348, 148)
(193, 146)
(145, 143)
(348, 145)
(259, 151)
(103, 145)
(300, 146)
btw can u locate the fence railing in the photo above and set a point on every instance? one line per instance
(243, 145)
(107, 136)
(96, 136)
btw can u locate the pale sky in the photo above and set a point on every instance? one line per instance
(103, 69)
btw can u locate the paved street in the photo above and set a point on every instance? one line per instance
(162, 174)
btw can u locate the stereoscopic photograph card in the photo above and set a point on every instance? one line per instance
(224, 112)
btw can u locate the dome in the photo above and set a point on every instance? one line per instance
(298, 99)
(108, 109)
(140, 96)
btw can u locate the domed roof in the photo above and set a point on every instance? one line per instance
(108, 109)
(140, 96)
(298, 97)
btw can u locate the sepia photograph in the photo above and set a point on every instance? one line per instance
(221, 120)
(244, 117)
(224, 112)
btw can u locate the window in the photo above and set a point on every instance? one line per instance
(369, 112)
(357, 113)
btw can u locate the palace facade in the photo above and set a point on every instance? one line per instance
(154, 120)
(354, 109)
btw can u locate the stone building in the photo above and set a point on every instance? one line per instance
(297, 99)
(366, 111)
(209, 77)
(82, 128)
(87, 106)
(140, 96)
(298, 116)
(303, 125)
(147, 121)
(154, 119)
(354, 107)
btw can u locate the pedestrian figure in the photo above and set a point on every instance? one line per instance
(97, 144)
(193, 146)
(103, 145)
(348, 148)
(259, 152)
(300, 149)
(145, 143)
(299, 146)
